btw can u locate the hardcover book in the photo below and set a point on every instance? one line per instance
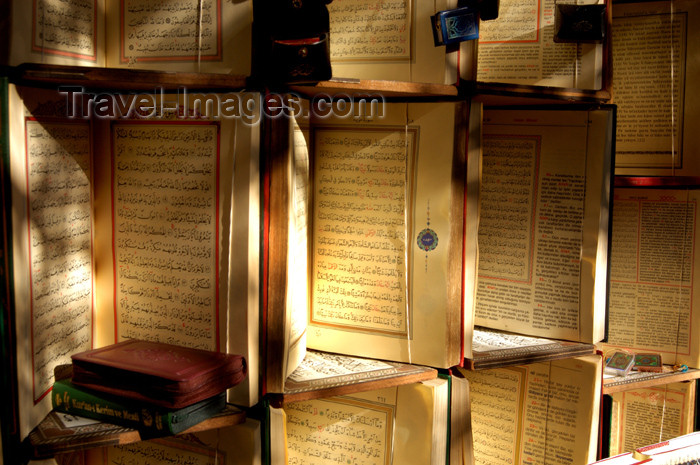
(164, 374)
(149, 419)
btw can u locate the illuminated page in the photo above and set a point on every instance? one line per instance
(51, 173)
(518, 48)
(298, 252)
(653, 273)
(180, 35)
(389, 40)
(539, 413)
(543, 223)
(61, 32)
(383, 283)
(657, 111)
(649, 416)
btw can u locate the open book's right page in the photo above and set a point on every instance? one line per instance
(650, 415)
(654, 268)
(518, 48)
(538, 413)
(543, 222)
(655, 66)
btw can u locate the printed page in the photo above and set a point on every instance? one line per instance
(653, 271)
(52, 251)
(206, 36)
(539, 413)
(649, 416)
(544, 194)
(657, 111)
(384, 284)
(388, 40)
(380, 427)
(57, 32)
(337, 429)
(518, 48)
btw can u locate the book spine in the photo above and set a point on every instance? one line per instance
(69, 399)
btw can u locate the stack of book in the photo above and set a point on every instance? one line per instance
(159, 389)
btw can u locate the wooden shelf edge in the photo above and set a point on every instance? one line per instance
(122, 78)
(387, 89)
(646, 380)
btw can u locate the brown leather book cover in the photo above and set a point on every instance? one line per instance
(163, 374)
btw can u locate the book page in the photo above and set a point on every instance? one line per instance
(544, 191)
(389, 40)
(166, 232)
(61, 32)
(518, 48)
(384, 284)
(653, 77)
(652, 415)
(50, 171)
(341, 428)
(187, 35)
(379, 427)
(298, 250)
(653, 272)
(171, 451)
(539, 413)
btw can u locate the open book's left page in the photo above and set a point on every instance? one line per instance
(128, 228)
(61, 32)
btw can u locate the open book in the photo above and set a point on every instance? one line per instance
(408, 424)
(650, 415)
(654, 74)
(654, 272)
(190, 36)
(385, 215)
(544, 182)
(537, 413)
(126, 228)
(518, 48)
(393, 40)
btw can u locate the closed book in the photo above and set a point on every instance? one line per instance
(165, 375)
(147, 418)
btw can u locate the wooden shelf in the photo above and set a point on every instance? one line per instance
(637, 380)
(122, 79)
(388, 89)
(52, 437)
(514, 94)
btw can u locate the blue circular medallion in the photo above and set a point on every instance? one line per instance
(427, 239)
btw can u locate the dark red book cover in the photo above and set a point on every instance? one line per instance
(164, 374)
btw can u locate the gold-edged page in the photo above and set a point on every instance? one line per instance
(654, 71)
(527, 413)
(544, 196)
(471, 224)
(518, 48)
(388, 40)
(387, 235)
(51, 177)
(298, 250)
(209, 36)
(651, 415)
(653, 303)
(57, 32)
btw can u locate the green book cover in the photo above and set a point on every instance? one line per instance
(148, 419)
